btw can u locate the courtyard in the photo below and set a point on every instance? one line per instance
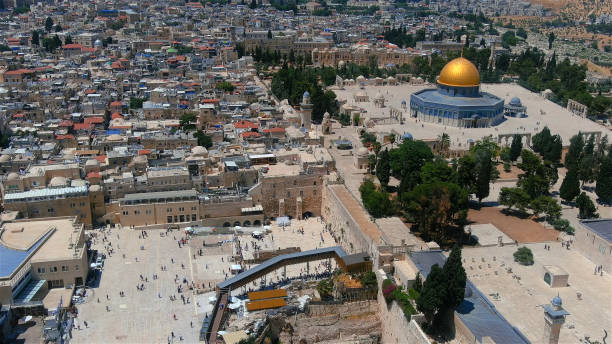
(147, 315)
(519, 292)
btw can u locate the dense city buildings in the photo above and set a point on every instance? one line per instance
(305, 172)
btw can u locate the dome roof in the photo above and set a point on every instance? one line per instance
(58, 181)
(77, 182)
(515, 101)
(556, 301)
(95, 188)
(114, 137)
(12, 176)
(379, 96)
(199, 150)
(306, 94)
(363, 151)
(92, 162)
(459, 72)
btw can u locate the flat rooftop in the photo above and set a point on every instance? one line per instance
(520, 293)
(603, 227)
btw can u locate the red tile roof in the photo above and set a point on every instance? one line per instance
(116, 115)
(91, 175)
(250, 134)
(72, 46)
(274, 130)
(144, 151)
(82, 126)
(116, 103)
(94, 120)
(66, 123)
(245, 124)
(101, 158)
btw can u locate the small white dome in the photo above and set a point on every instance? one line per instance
(95, 188)
(92, 162)
(58, 181)
(114, 137)
(12, 176)
(199, 150)
(363, 151)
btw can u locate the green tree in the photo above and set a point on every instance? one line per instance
(136, 103)
(570, 188)
(253, 4)
(456, 278)
(603, 186)
(523, 256)
(574, 153)
(521, 33)
(269, 34)
(226, 86)
(48, 24)
(439, 210)
(514, 197)
(551, 39)
(545, 205)
(187, 121)
(432, 295)
(588, 164)
(376, 202)
(586, 208)
(383, 168)
(203, 139)
(516, 148)
(35, 37)
(483, 176)
(407, 161)
(438, 171)
(58, 28)
(68, 40)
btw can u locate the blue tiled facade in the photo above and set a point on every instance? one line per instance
(457, 106)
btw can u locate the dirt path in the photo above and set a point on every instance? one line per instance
(521, 230)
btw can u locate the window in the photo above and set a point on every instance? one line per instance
(41, 270)
(314, 192)
(51, 210)
(76, 267)
(64, 268)
(194, 217)
(82, 204)
(169, 219)
(148, 211)
(35, 211)
(181, 209)
(288, 193)
(301, 193)
(72, 205)
(315, 183)
(294, 182)
(53, 269)
(193, 208)
(136, 212)
(168, 210)
(57, 283)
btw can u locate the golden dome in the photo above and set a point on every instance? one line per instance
(459, 72)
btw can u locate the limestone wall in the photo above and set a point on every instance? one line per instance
(343, 225)
(353, 308)
(292, 195)
(395, 327)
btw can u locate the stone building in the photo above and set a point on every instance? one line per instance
(284, 191)
(594, 240)
(41, 254)
(361, 55)
(457, 101)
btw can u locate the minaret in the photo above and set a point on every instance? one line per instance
(306, 113)
(554, 317)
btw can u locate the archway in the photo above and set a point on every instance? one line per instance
(256, 223)
(227, 224)
(237, 223)
(306, 215)
(547, 278)
(247, 223)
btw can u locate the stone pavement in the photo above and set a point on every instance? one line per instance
(519, 295)
(141, 316)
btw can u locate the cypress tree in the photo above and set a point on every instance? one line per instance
(455, 279)
(433, 293)
(603, 187)
(586, 208)
(570, 188)
(574, 153)
(383, 168)
(483, 178)
(516, 147)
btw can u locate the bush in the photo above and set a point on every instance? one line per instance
(507, 167)
(413, 294)
(563, 225)
(386, 282)
(388, 292)
(325, 289)
(523, 256)
(403, 300)
(368, 280)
